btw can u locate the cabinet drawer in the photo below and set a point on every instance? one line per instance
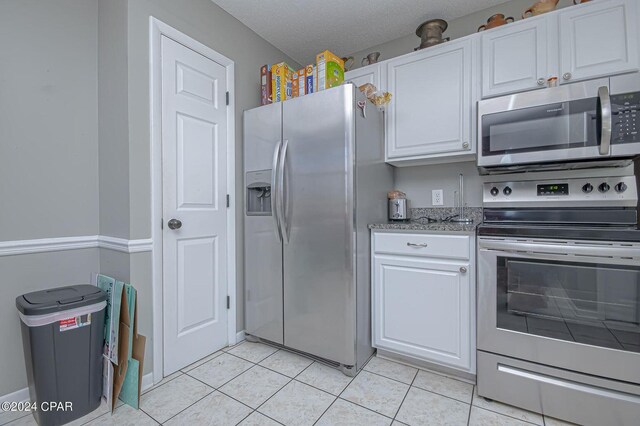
(447, 246)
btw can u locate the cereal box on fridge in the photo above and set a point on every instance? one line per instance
(330, 70)
(308, 75)
(281, 80)
(265, 85)
(300, 77)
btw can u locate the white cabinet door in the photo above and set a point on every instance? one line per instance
(430, 109)
(598, 39)
(368, 74)
(515, 58)
(422, 308)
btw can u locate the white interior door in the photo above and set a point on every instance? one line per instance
(194, 134)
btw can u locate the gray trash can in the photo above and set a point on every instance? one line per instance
(62, 337)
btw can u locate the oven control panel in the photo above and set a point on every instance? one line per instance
(625, 114)
(583, 192)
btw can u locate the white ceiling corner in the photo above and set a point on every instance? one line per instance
(302, 28)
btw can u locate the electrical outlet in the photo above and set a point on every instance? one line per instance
(437, 197)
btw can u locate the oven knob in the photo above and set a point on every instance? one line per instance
(495, 191)
(604, 187)
(620, 187)
(587, 188)
(507, 190)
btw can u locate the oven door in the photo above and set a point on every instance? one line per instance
(569, 304)
(562, 124)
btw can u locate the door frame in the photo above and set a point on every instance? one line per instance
(157, 29)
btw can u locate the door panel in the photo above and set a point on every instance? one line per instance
(515, 58)
(263, 248)
(194, 117)
(368, 74)
(421, 308)
(319, 285)
(430, 111)
(587, 53)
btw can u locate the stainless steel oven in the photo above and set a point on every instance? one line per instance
(592, 120)
(559, 298)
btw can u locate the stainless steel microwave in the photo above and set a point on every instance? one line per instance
(579, 122)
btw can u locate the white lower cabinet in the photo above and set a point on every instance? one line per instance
(423, 305)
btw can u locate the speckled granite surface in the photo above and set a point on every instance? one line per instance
(420, 220)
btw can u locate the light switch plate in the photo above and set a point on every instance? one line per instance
(437, 197)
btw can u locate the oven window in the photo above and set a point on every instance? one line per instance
(542, 128)
(592, 304)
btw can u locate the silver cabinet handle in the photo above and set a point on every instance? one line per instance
(604, 118)
(417, 245)
(567, 76)
(174, 224)
(463, 269)
(541, 82)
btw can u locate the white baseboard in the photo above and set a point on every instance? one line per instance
(17, 396)
(147, 381)
(23, 394)
(240, 336)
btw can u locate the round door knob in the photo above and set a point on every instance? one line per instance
(604, 187)
(495, 191)
(587, 188)
(567, 76)
(541, 81)
(174, 224)
(463, 269)
(465, 145)
(620, 187)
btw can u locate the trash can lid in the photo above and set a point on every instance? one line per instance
(59, 299)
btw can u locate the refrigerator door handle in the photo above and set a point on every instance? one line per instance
(281, 192)
(274, 190)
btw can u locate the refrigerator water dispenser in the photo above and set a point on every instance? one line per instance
(259, 193)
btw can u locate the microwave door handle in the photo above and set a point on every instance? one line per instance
(604, 120)
(274, 191)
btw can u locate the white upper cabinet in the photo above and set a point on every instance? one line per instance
(598, 39)
(430, 114)
(515, 58)
(368, 74)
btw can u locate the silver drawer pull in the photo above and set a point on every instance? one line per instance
(417, 245)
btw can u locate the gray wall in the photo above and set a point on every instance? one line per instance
(113, 118)
(48, 153)
(48, 119)
(212, 26)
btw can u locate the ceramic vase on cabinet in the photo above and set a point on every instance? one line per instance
(496, 20)
(543, 6)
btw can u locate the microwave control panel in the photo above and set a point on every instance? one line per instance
(625, 111)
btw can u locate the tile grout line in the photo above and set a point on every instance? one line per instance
(473, 392)
(186, 408)
(511, 417)
(405, 395)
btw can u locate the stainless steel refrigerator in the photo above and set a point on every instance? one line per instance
(315, 177)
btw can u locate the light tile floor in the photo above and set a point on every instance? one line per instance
(252, 384)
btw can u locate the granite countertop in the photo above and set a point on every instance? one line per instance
(419, 221)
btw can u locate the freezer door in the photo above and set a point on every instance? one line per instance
(319, 284)
(262, 245)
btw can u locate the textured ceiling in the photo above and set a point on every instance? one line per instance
(302, 28)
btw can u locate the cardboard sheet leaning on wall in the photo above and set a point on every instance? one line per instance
(123, 347)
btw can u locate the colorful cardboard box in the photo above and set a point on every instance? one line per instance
(281, 79)
(299, 82)
(265, 85)
(309, 74)
(330, 70)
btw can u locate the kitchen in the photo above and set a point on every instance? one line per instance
(445, 234)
